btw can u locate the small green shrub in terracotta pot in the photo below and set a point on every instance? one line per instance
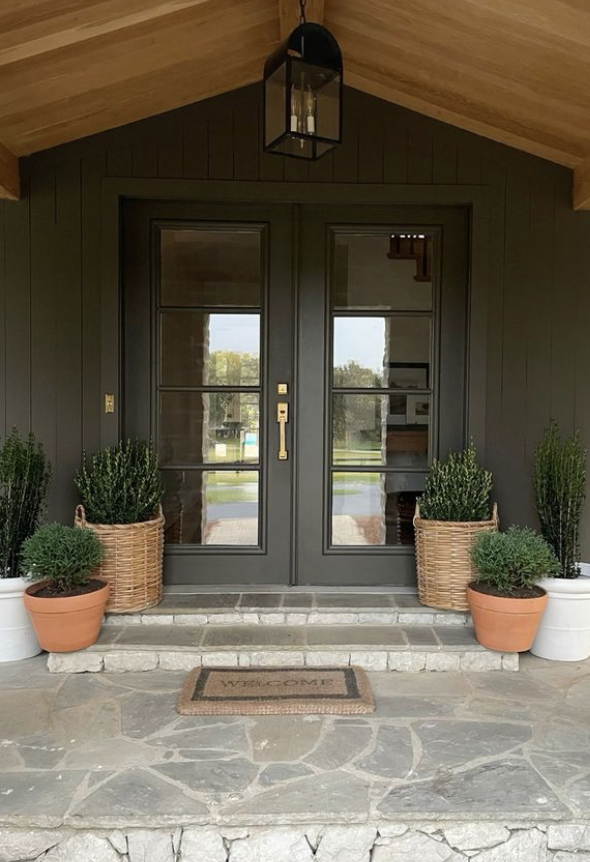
(505, 601)
(67, 604)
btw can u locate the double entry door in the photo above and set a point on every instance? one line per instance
(297, 368)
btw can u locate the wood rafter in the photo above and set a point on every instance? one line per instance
(9, 175)
(289, 14)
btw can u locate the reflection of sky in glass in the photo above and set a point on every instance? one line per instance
(359, 339)
(236, 332)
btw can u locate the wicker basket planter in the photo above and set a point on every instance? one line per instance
(443, 559)
(133, 561)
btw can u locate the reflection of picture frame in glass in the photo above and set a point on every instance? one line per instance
(397, 410)
(418, 410)
(409, 375)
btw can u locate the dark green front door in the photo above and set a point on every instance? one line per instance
(297, 368)
(381, 383)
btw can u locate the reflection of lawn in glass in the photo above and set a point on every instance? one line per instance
(358, 456)
(342, 482)
(230, 487)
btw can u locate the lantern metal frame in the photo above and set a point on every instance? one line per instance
(311, 44)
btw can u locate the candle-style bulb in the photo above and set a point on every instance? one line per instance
(296, 109)
(310, 111)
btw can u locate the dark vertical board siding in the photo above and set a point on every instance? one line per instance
(3, 388)
(581, 279)
(170, 139)
(562, 345)
(17, 343)
(420, 156)
(370, 143)
(444, 157)
(469, 164)
(45, 274)
(68, 298)
(51, 311)
(346, 155)
(515, 494)
(92, 171)
(195, 149)
(246, 141)
(495, 178)
(395, 152)
(145, 156)
(322, 170)
(537, 287)
(120, 154)
(221, 139)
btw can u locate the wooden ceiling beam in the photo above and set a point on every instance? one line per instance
(289, 14)
(9, 175)
(23, 36)
(582, 185)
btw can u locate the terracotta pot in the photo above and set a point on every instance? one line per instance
(505, 624)
(68, 624)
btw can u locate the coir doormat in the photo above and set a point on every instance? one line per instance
(276, 691)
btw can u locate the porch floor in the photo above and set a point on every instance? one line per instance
(98, 751)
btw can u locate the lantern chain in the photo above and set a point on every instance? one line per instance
(302, 4)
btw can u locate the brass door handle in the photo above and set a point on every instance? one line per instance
(282, 419)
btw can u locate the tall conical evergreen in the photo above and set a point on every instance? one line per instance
(24, 478)
(559, 478)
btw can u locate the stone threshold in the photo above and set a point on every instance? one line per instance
(449, 840)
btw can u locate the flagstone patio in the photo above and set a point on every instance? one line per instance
(108, 751)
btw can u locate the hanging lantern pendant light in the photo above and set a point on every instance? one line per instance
(303, 93)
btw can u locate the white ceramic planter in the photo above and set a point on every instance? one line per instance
(564, 633)
(17, 638)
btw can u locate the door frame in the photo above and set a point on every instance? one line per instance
(485, 205)
(363, 564)
(270, 562)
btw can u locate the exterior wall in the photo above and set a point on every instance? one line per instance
(538, 313)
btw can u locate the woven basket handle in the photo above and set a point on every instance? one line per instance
(495, 516)
(416, 514)
(81, 515)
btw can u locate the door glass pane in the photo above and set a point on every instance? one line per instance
(206, 507)
(374, 508)
(389, 430)
(382, 351)
(383, 271)
(208, 427)
(201, 267)
(201, 349)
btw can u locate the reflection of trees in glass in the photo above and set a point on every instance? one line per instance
(352, 374)
(356, 418)
(233, 369)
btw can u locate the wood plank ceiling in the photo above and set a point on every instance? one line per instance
(516, 71)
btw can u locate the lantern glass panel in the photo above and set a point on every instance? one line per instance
(275, 95)
(328, 110)
(316, 95)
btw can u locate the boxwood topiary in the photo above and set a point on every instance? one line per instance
(457, 489)
(121, 484)
(66, 556)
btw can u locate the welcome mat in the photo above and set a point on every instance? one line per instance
(276, 691)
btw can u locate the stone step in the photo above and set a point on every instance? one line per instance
(282, 607)
(377, 648)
